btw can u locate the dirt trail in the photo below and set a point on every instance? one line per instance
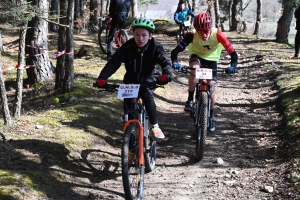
(247, 139)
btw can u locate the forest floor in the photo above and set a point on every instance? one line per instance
(78, 157)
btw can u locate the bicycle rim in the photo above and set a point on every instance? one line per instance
(201, 126)
(102, 39)
(150, 148)
(132, 175)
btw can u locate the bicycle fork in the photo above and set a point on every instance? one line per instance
(140, 138)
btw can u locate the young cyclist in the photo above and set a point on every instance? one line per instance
(204, 48)
(118, 11)
(141, 54)
(180, 16)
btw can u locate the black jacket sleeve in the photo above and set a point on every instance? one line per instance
(234, 59)
(163, 60)
(188, 38)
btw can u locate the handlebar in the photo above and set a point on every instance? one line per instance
(185, 69)
(151, 85)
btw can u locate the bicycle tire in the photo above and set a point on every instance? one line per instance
(132, 175)
(150, 148)
(102, 38)
(201, 125)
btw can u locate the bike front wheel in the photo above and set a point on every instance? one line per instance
(150, 148)
(102, 38)
(132, 174)
(201, 124)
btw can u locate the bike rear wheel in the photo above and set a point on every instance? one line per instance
(132, 175)
(117, 42)
(201, 124)
(102, 38)
(150, 148)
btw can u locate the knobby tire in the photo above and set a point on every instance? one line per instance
(132, 175)
(201, 126)
(103, 36)
(150, 147)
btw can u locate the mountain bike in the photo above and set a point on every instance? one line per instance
(201, 107)
(139, 147)
(182, 30)
(120, 36)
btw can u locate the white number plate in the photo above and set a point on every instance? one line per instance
(128, 91)
(187, 23)
(203, 73)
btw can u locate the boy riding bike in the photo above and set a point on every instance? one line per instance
(204, 48)
(141, 54)
(180, 16)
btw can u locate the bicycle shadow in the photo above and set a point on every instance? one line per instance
(45, 162)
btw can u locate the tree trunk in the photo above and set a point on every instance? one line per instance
(93, 14)
(60, 65)
(134, 8)
(258, 18)
(234, 13)
(20, 71)
(5, 108)
(54, 11)
(83, 7)
(37, 45)
(77, 9)
(217, 14)
(69, 67)
(284, 22)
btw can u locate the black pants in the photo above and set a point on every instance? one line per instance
(147, 97)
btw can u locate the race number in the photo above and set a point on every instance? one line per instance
(187, 23)
(203, 73)
(128, 91)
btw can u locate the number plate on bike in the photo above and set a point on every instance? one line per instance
(203, 73)
(128, 91)
(187, 23)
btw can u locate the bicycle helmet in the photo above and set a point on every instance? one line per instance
(143, 23)
(203, 22)
(181, 2)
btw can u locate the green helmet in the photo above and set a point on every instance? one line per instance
(143, 23)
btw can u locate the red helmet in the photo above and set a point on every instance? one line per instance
(203, 22)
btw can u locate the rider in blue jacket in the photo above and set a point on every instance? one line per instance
(180, 16)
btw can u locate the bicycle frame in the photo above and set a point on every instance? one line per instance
(119, 37)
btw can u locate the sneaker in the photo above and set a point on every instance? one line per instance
(130, 156)
(188, 106)
(212, 125)
(157, 133)
(294, 58)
